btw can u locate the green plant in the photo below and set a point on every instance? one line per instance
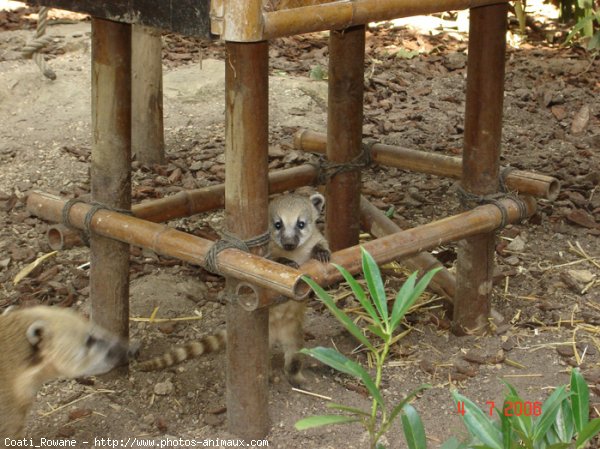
(378, 420)
(561, 422)
(586, 16)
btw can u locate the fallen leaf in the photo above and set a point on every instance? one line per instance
(582, 218)
(581, 120)
(29, 268)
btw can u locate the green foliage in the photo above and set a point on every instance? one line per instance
(318, 73)
(588, 21)
(380, 418)
(561, 422)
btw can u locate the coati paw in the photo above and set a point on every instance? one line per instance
(287, 262)
(293, 372)
(321, 254)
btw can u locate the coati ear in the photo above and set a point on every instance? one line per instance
(318, 201)
(35, 332)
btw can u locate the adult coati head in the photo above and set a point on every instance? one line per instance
(41, 343)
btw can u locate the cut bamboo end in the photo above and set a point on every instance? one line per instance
(528, 183)
(60, 237)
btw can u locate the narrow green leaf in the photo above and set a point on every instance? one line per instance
(398, 408)
(551, 436)
(414, 432)
(549, 410)
(564, 424)
(559, 446)
(506, 429)
(453, 443)
(375, 285)
(523, 424)
(405, 299)
(580, 400)
(594, 42)
(377, 331)
(587, 433)
(343, 364)
(345, 408)
(323, 420)
(365, 302)
(402, 297)
(478, 424)
(339, 314)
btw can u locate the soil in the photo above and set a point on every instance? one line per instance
(547, 289)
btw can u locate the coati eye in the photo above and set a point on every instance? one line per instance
(90, 341)
(277, 225)
(301, 224)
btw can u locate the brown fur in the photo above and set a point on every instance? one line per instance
(39, 344)
(285, 320)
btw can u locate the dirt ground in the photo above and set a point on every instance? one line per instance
(547, 283)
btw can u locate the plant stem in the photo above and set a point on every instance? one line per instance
(379, 360)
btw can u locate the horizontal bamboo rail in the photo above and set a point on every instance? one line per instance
(407, 243)
(343, 14)
(190, 202)
(435, 164)
(379, 225)
(167, 241)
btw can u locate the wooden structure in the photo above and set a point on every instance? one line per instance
(255, 281)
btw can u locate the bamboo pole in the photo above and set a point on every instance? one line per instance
(147, 137)
(110, 169)
(379, 225)
(482, 219)
(344, 14)
(242, 19)
(344, 135)
(481, 161)
(435, 164)
(173, 243)
(246, 215)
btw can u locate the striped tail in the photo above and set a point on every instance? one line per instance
(206, 345)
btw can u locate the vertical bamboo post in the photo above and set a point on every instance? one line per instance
(110, 170)
(246, 202)
(147, 139)
(481, 159)
(344, 134)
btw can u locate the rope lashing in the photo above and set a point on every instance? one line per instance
(469, 201)
(95, 207)
(328, 170)
(231, 241)
(32, 49)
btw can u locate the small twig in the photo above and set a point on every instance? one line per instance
(164, 320)
(54, 410)
(309, 393)
(523, 375)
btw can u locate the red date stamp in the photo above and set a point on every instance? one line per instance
(511, 408)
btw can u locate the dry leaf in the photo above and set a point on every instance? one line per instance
(29, 268)
(581, 119)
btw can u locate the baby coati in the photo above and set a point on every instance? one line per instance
(41, 343)
(295, 239)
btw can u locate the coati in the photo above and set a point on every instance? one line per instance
(38, 344)
(295, 239)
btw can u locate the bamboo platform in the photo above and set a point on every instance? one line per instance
(246, 27)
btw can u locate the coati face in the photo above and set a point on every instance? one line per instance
(292, 219)
(64, 344)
